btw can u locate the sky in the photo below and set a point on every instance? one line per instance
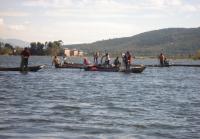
(85, 21)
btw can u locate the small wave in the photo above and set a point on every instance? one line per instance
(6, 127)
(65, 108)
(39, 120)
(163, 126)
(92, 130)
(2, 98)
(103, 131)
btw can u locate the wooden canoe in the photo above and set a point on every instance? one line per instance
(136, 69)
(30, 68)
(71, 65)
(158, 65)
(174, 65)
(102, 68)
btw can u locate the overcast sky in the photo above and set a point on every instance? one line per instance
(84, 21)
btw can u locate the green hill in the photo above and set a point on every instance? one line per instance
(171, 41)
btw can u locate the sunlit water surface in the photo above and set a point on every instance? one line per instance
(160, 103)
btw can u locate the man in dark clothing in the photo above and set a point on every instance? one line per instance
(161, 58)
(128, 60)
(24, 58)
(116, 62)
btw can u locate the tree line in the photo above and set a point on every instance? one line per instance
(8, 49)
(35, 48)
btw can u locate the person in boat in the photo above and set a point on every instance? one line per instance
(96, 56)
(123, 60)
(107, 59)
(66, 60)
(117, 62)
(86, 61)
(56, 61)
(166, 62)
(161, 58)
(127, 60)
(24, 58)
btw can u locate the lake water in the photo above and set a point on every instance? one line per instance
(160, 103)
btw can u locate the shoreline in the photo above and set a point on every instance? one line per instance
(136, 57)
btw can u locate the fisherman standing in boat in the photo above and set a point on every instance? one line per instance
(127, 60)
(161, 58)
(24, 59)
(96, 56)
(123, 60)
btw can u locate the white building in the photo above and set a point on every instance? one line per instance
(73, 52)
(67, 52)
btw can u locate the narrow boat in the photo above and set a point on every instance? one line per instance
(158, 65)
(174, 65)
(71, 65)
(30, 68)
(102, 68)
(136, 69)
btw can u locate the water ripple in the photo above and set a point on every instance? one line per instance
(160, 103)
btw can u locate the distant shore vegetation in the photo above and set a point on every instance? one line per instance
(35, 48)
(196, 56)
(53, 48)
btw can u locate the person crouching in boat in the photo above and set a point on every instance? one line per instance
(87, 64)
(86, 61)
(66, 60)
(56, 61)
(116, 62)
(24, 59)
(166, 62)
(107, 60)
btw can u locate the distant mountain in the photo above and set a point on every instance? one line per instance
(15, 42)
(171, 41)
